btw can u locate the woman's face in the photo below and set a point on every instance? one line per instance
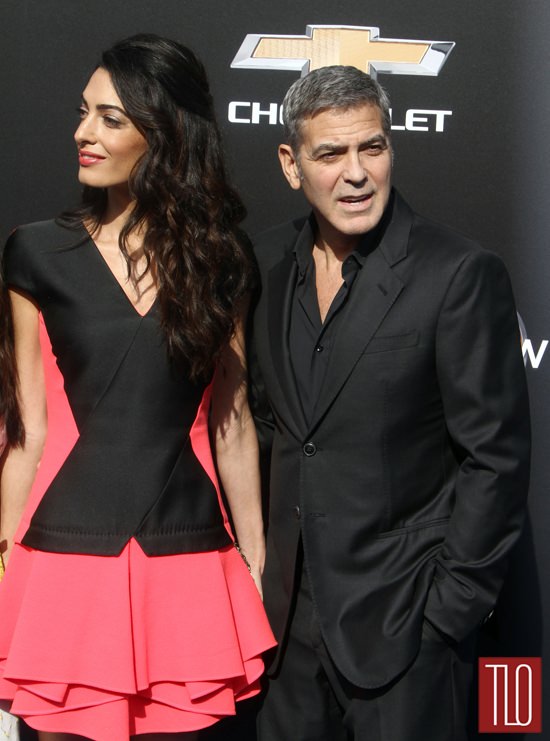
(109, 145)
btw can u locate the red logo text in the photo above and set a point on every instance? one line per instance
(510, 695)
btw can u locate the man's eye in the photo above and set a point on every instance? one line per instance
(375, 149)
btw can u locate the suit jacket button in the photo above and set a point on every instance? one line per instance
(309, 449)
(297, 512)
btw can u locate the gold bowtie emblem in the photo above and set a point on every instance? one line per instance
(359, 46)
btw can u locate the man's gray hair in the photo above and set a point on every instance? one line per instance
(336, 86)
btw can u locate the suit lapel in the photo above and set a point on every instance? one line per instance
(281, 282)
(374, 291)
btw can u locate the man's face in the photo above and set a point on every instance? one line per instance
(344, 167)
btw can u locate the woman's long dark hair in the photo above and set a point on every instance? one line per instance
(184, 207)
(10, 414)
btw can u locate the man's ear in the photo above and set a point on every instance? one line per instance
(290, 167)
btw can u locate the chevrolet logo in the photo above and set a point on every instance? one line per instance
(358, 46)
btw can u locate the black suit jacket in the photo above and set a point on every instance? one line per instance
(408, 485)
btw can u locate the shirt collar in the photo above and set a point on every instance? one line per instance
(304, 246)
(367, 244)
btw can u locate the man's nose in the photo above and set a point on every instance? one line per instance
(355, 171)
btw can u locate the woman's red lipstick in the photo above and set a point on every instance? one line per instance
(86, 159)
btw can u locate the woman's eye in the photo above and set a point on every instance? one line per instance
(82, 112)
(112, 123)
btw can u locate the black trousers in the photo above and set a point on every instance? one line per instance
(309, 700)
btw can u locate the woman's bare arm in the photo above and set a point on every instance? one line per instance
(19, 465)
(236, 449)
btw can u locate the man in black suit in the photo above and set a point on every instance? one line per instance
(386, 373)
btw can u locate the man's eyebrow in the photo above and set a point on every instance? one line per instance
(376, 139)
(328, 147)
(336, 147)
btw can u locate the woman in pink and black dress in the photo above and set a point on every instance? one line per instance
(126, 608)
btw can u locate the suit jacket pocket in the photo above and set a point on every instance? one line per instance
(381, 343)
(412, 528)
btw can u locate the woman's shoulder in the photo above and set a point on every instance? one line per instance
(45, 234)
(26, 250)
(29, 241)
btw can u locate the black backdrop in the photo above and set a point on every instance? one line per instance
(484, 173)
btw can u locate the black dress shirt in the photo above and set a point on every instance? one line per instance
(310, 339)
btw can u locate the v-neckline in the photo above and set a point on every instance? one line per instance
(115, 280)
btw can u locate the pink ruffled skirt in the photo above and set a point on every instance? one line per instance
(109, 647)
